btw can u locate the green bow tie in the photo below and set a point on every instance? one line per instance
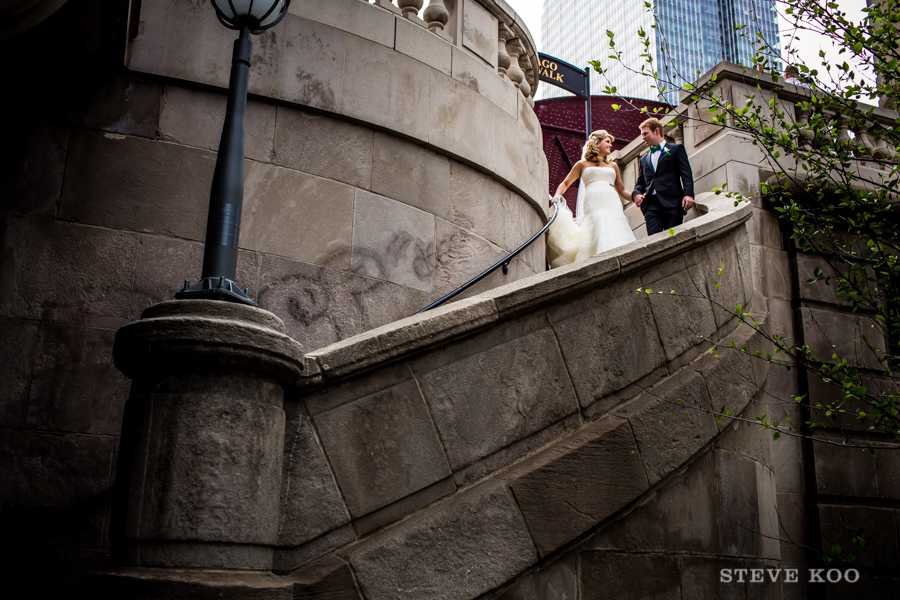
(655, 148)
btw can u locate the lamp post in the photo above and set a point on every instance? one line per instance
(226, 196)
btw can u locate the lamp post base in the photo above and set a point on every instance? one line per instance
(215, 288)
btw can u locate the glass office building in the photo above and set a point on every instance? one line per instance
(691, 36)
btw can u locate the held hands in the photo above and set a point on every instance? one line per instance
(638, 199)
(686, 204)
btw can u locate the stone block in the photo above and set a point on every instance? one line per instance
(887, 469)
(568, 488)
(411, 174)
(771, 272)
(121, 105)
(830, 333)
(765, 229)
(31, 170)
(701, 579)
(682, 319)
(463, 122)
(819, 291)
(490, 391)
(285, 560)
(147, 584)
(382, 447)
(324, 146)
(388, 89)
(321, 306)
(61, 471)
(669, 432)
(403, 507)
(556, 581)
(297, 215)
(16, 365)
(327, 579)
(75, 386)
(627, 576)
(479, 32)
(461, 256)
(311, 503)
(303, 62)
(843, 470)
(742, 179)
(739, 504)
(365, 21)
(769, 546)
(460, 548)
(485, 80)
(195, 118)
(66, 273)
(792, 529)
(600, 334)
(728, 373)
(725, 290)
(520, 155)
(393, 242)
(840, 523)
(424, 46)
(140, 185)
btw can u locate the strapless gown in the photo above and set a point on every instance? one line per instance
(603, 227)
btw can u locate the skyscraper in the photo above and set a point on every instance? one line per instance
(690, 36)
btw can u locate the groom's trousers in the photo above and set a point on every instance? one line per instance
(659, 219)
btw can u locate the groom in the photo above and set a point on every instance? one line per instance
(665, 187)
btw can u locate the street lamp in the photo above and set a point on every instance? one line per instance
(227, 194)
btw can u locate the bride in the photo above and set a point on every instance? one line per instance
(599, 223)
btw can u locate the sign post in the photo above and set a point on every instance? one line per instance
(570, 78)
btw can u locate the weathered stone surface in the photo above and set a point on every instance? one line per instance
(577, 482)
(93, 266)
(43, 469)
(297, 215)
(829, 332)
(16, 364)
(310, 501)
(419, 43)
(682, 319)
(194, 118)
(288, 559)
(681, 517)
(506, 385)
(878, 525)
(147, 584)
(473, 73)
(596, 347)
(728, 373)
(792, 529)
(787, 457)
(764, 229)
(364, 21)
(122, 105)
(460, 548)
(328, 579)
(320, 305)
(887, 468)
(722, 256)
(457, 115)
(392, 241)
(410, 173)
(75, 386)
(557, 581)
(403, 507)
(818, 291)
(382, 447)
(844, 471)
(479, 33)
(701, 579)
(31, 170)
(520, 154)
(625, 576)
(767, 498)
(459, 256)
(668, 432)
(324, 146)
(739, 514)
(141, 185)
(771, 272)
(386, 88)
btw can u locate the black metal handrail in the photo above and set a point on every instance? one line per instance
(503, 263)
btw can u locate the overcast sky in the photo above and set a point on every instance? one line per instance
(808, 45)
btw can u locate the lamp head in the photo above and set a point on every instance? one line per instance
(258, 15)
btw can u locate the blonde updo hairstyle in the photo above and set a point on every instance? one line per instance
(592, 146)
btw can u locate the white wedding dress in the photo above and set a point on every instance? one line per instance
(603, 226)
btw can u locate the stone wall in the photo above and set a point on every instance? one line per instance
(357, 212)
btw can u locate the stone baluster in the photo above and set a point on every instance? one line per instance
(525, 84)
(387, 5)
(842, 122)
(677, 132)
(410, 8)
(515, 74)
(807, 135)
(864, 145)
(436, 15)
(504, 33)
(881, 150)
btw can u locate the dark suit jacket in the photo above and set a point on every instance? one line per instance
(673, 179)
